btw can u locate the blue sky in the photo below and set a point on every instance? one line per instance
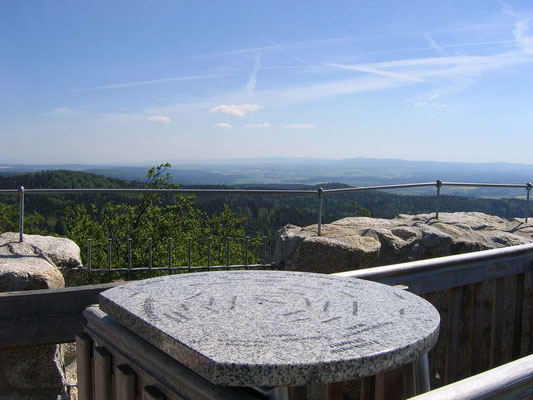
(130, 82)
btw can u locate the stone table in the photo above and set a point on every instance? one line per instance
(276, 328)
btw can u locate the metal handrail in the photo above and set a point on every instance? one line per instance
(21, 191)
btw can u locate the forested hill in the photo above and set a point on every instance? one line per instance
(264, 213)
(61, 179)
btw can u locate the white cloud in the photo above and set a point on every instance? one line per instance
(420, 104)
(299, 126)
(159, 119)
(435, 96)
(222, 125)
(236, 109)
(261, 125)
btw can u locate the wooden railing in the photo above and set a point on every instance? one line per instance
(473, 337)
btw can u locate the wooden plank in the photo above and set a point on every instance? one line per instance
(335, 391)
(513, 380)
(49, 316)
(368, 388)
(102, 374)
(152, 393)
(497, 322)
(124, 383)
(381, 387)
(452, 333)
(84, 349)
(445, 272)
(518, 310)
(476, 327)
(298, 392)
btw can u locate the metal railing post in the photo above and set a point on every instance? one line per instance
(437, 200)
(320, 192)
(528, 187)
(21, 214)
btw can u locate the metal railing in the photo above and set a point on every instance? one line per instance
(320, 192)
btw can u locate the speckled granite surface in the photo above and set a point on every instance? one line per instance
(276, 328)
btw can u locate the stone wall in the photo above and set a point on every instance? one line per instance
(40, 372)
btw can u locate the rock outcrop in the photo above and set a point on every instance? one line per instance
(361, 242)
(40, 372)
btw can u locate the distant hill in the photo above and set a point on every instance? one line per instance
(264, 213)
(353, 172)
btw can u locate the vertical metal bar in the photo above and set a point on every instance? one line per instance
(150, 255)
(421, 374)
(109, 244)
(528, 187)
(228, 248)
(208, 252)
(189, 252)
(129, 253)
(169, 253)
(89, 251)
(21, 214)
(437, 200)
(246, 239)
(320, 192)
(264, 250)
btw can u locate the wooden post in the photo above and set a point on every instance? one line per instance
(84, 347)
(452, 335)
(518, 309)
(102, 374)
(476, 320)
(152, 393)
(124, 383)
(497, 323)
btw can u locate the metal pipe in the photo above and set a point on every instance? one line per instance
(494, 185)
(208, 252)
(246, 239)
(21, 214)
(529, 186)
(168, 191)
(189, 252)
(150, 255)
(320, 192)
(129, 253)
(109, 243)
(382, 187)
(89, 251)
(169, 253)
(228, 248)
(437, 200)
(264, 250)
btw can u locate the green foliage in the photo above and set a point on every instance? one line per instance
(153, 222)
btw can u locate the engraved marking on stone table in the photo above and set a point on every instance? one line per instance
(402, 311)
(211, 301)
(292, 313)
(184, 307)
(301, 339)
(301, 319)
(330, 320)
(148, 308)
(307, 302)
(181, 317)
(196, 284)
(398, 295)
(348, 294)
(268, 300)
(194, 295)
(354, 308)
(326, 306)
(211, 309)
(242, 342)
(368, 328)
(233, 300)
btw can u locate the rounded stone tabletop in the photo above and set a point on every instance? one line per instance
(276, 328)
